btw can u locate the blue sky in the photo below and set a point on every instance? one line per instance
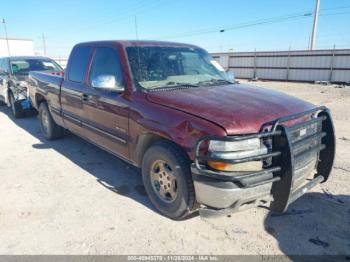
(65, 23)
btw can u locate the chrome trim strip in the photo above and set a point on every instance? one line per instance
(82, 123)
(72, 119)
(104, 132)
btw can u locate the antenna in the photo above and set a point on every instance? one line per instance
(44, 44)
(136, 29)
(7, 39)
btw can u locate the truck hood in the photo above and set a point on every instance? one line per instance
(239, 109)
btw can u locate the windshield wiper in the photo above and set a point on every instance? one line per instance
(176, 84)
(214, 81)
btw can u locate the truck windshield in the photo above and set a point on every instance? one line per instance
(23, 66)
(161, 67)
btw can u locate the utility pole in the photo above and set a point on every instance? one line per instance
(44, 44)
(314, 28)
(7, 39)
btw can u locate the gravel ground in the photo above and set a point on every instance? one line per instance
(69, 197)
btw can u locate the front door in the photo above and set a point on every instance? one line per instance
(106, 112)
(73, 88)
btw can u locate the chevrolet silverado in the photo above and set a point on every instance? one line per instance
(202, 141)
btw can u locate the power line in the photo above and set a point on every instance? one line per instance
(103, 16)
(239, 26)
(271, 20)
(144, 6)
(336, 8)
(340, 13)
(128, 13)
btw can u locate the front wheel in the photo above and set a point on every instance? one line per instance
(167, 180)
(48, 126)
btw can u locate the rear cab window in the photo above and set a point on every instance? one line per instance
(78, 63)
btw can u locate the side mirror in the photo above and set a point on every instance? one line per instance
(230, 76)
(106, 82)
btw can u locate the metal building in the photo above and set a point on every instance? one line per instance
(17, 46)
(331, 65)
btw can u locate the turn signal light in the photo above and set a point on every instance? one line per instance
(240, 167)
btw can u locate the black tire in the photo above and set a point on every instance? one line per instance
(15, 107)
(179, 165)
(48, 126)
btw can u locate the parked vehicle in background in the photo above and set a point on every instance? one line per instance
(201, 140)
(14, 73)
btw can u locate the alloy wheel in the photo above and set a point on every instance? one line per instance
(163, 181)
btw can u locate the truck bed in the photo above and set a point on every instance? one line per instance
(47, 85)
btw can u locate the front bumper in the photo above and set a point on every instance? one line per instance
(297, 152)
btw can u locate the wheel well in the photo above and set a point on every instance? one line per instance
(39, 99)
(9, 92)
(146, 141)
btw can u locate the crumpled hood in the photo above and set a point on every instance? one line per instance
(239, 109)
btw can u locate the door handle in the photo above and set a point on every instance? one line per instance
(85, 97)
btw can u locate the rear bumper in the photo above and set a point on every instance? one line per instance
(297, 152)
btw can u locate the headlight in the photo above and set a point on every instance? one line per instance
(241, 145)
(236, 150)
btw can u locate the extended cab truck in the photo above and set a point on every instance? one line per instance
(201, 140)
(14, 73)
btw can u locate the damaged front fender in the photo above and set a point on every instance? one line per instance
(19, 91)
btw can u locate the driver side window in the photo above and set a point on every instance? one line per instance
(106, 63)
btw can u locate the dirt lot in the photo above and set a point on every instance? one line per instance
(69, 197)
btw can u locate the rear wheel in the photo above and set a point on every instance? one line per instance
(48, 126)
(167, 180)
(15, 107)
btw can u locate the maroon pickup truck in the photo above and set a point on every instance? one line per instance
(202, 141)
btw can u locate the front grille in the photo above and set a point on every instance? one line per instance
(295, 152)
(308, 149)
(306, 142)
